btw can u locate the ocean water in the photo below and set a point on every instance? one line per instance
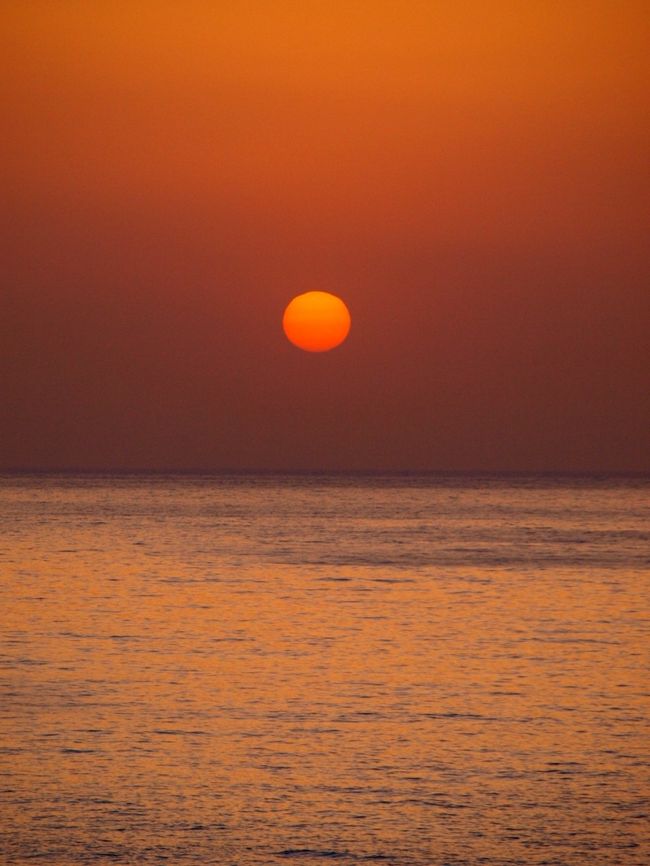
(412, 671)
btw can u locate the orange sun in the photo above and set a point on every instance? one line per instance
(316, 321)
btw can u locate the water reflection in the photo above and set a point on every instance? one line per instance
(259, 671)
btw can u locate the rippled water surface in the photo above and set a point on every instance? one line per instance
(296, 670)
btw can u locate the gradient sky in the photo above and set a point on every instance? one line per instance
(471, 177)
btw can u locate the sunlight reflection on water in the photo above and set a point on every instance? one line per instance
(267, 670)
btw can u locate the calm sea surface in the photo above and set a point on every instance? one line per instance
(277, 670)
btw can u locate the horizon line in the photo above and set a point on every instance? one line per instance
(225, 472)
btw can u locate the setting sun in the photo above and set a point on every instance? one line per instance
(316, 321)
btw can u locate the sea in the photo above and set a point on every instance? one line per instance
(269, 670)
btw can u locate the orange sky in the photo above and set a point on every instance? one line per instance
(471, 177)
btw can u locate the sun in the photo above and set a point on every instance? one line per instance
(316, 321)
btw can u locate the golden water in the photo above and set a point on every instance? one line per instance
(291, 670)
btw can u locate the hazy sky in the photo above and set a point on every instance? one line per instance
(471, 177)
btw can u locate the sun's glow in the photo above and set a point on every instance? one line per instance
(316, 321)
